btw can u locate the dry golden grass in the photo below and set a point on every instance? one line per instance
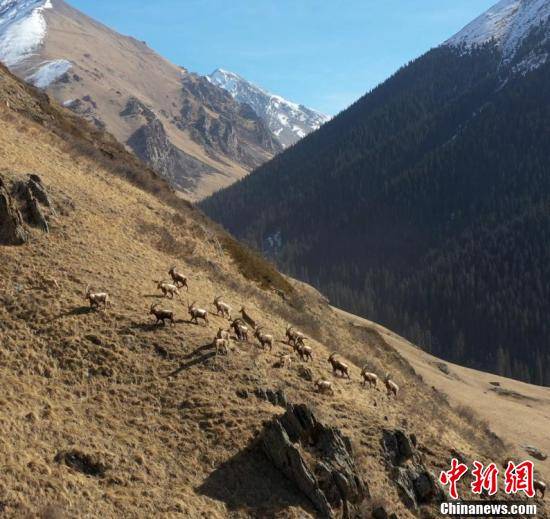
(149, 416)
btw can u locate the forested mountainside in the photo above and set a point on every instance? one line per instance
(426, 205)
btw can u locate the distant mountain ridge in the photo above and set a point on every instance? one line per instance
(289, 121)
(426, 205)
(201, 139)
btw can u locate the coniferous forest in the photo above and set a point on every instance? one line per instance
(425, 206)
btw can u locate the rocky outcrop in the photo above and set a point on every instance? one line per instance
(86, 463)
(87, 108)
(237, 132)
(417, 485)
(135, 108)
(269, 395)
(535, 452)
(151, 144)
(24, 201)
(317, 458)
(12, 231)
(33, 196)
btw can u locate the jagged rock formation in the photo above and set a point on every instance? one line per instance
(327, 475)
(221, 134)
(26, 201)
(151, 144)
(12, 231)
(416, 483)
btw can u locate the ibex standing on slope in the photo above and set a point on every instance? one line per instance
(197, 313)
(293, 336)
(179, 279)
(247, 318)
(162, 315)
(391, 387)
(241, 330)
(324, 386)
(97, 298)
(222, 307)
(167, 289)
(264, 338)
(339, 366)
(371, 378)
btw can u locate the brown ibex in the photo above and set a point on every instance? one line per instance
(264, 338)
(391, 387)
(197, 313)
(324, 386)
(339, 366)
(222, 307)
(369, 377)
(179, 279)
(162, 315)
(97, 298)
(167, 289)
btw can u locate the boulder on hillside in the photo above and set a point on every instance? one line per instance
(417, 485)
(535, 452)
(12, 231)
(35, 201)
(318, 458)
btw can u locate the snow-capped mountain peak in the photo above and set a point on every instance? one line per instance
(507, 23)
(22, 29)
(287, 120)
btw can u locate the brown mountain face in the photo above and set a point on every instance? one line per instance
(189, 130)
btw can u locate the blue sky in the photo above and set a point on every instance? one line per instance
(324, 54)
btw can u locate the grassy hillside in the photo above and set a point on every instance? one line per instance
(105, 414)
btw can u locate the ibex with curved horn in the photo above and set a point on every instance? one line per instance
(161, 314)
(338, 366)
(179, 279)
(197, 313)
(222, 307)
(265, 339)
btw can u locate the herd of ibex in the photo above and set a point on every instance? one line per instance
(241, 326)
(239, 329)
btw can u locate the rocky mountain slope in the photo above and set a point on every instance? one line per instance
(289, 121)
(424, 206)
(189, 130)
(105, 413)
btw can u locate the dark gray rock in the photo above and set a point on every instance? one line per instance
(330, 480)
(398, 446)
(416, 484)
(379, 513)
(36, 216)
(12, 231)
(305, 373)
(38, 190)
(287, 458)
(535, 452)
(269, 395)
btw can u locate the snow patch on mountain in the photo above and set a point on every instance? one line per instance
(22, 29)
(289, 121)
(507, 23)
(48, 72)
